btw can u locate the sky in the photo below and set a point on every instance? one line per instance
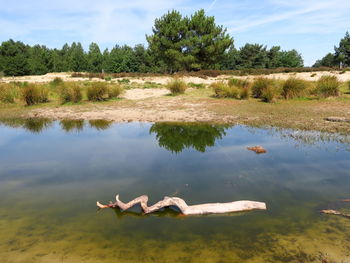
(312, 27)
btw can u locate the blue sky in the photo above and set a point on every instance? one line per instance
(312, 27)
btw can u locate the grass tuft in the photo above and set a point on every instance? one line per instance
(34, 94)
(98, 91)
(294, 88)
(176, 86)
(114, 91)
(8, 93)
(328, 86)
(70, 93)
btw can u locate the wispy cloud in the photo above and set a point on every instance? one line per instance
(297, 23)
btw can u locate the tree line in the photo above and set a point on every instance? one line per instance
(340, 57)
(177, 43)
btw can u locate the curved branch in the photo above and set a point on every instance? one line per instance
(334, 212)
(210, 208)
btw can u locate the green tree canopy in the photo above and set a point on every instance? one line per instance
(14, 58)
(342, 53)
(184, 43)
(94, 58)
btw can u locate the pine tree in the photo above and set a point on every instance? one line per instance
(342, 53)
(95, 58)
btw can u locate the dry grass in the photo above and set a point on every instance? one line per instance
(176, 86)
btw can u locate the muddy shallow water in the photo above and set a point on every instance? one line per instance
(52, 174)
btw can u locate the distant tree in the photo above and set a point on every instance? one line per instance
(342, 52)
(168, 42)
(290, 59)
(94, 58)
(184, 43)
(40, 60)
(206, 42)
(14, 58)
(273, 57)
(106, 61)
(327, 61)
(122, 59)
(229, 62)
(78, 60)
(252, 56)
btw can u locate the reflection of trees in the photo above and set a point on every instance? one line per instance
(166, 212)
(100, 124)
(35, 125)
(72, 125)
(177, 136)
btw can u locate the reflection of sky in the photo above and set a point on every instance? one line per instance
(50, 181)
(127, 159)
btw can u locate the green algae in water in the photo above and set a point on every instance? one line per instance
(51, 175)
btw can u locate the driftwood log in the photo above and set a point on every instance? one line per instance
(335, 212)
(211, 208)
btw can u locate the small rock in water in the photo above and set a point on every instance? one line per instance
(257, 149)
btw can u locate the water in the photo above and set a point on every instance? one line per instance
(52, 174)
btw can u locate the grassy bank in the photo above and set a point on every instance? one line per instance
(292, 104)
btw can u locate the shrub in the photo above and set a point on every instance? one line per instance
(294, 88)
(123, 81)
(328, 86)
(196, 85)
(108, 78)
(176, 86)
(8, 93)
(259, 85)
(271, 93)
(114, 91)
(33, 94)
(245, 93)
(56, 82)
(70, 93)
(151, 85)
(98, 91)
(242, 83)
(223, 90)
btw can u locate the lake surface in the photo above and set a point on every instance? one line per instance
(52, 174)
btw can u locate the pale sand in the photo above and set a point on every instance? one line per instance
(163, 80)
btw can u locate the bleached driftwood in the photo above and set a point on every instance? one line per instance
(211, 208)
(334, 212)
